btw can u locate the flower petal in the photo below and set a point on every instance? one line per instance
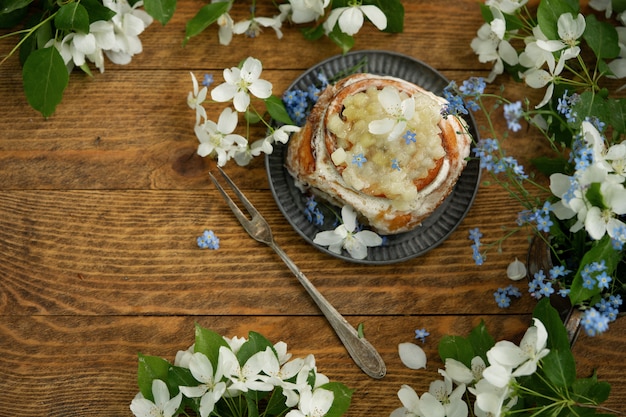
(375, 15)
(412, 356)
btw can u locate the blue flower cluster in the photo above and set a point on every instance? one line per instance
(488, 151)
(542, 286)
(565, 106)
(474, 236)
(298, 102)
(455, 105)
(594, 274)
(208, 240)
(596, 319)
(503, 295)
(539, 217)
(312, 212)
(512, 113)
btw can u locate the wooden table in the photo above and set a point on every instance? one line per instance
(101, 205)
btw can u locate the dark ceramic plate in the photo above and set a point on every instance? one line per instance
(396, 248)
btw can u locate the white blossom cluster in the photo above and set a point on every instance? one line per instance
(350, 19)
(605, 167)
(492, 383)
(544, 59)
(117, 38)
(263, 372)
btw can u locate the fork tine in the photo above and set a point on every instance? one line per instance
(233, 206)
(244, 200)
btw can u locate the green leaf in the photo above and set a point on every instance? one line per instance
(481, 340)
(206, 16)
(560, 367)
(456, 347)
(342, 398)
(72, 17)
(209, 343)
(590, 391)
(619, 6)
(548, 165)
(160, 10)
(602, 38)
(276, 109)
(251, 401)
(549, 316)
(345, 42)
(548, 14)
(603, 249)
(179, 376)
(255, 343)
(616, 109)
(45, 78)
(394, 11)
(9, 6)
(150, 368)
(252, 117)
(12, 12)
(594, 195)
(276, 403)
(97, 11)
(313, 33)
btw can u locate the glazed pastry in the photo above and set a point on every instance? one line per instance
(380, 145)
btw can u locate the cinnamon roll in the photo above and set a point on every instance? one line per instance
(381, 145)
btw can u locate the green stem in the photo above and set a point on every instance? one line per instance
(28, 32)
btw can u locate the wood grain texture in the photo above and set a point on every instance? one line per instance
(100, 206)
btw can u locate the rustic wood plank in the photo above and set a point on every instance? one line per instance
(134, 252)
(87, 365)
(101, 205)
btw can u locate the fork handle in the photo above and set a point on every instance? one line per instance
(361, 351)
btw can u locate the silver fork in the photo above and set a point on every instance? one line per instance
(361, 351)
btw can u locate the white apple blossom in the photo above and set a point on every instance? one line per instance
(400, 111)
(461, 374)
(539, 78)
(128, 23)
(491, 46)
(492, 401)
(305, 11)
(442, 401)
(243, 378)
(280, 134)
(613, 159)
(183, 357)
(521, 359)
(602, 220)
(570, 29)
(74, 48)
(345, 236)
(239, 82)
(219, 139)
(211, 387)
(195, 99)
(252, 27)
(602, 5)
(533, 55)
(506, 6)
(410, 403)
(162, 405)
(313, 403)
(350, 19)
